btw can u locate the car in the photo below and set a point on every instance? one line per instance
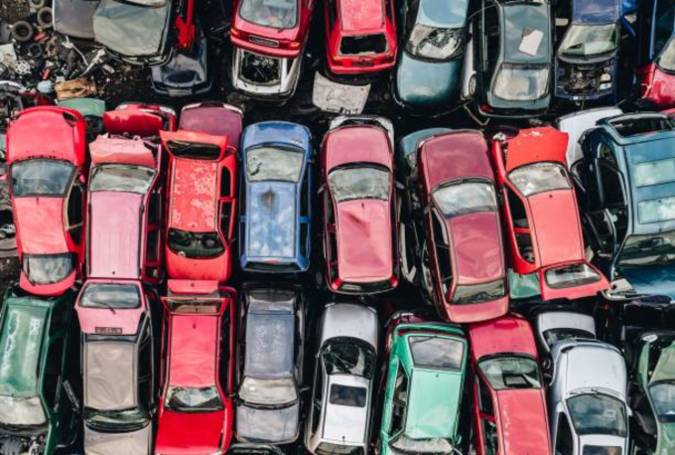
(587, 398)
(541, 213)
(276, 189)
(507, 66)
(119, 357)
(39, 411)
(142, 32)
(270, 362)
(196, 409)
(74, 17)
(92, 110)
(509, 409)
(269, 40)
(425, 389)
(656, 53)
(186, 73)
(139, 119)
(586, 63)
(360, 206)
(344, 373)
(557, 324)
(652, 391)
(577, 123)
(46, 187)
(124, 209)
(625, 192)
(463, 263)
(360, 36)
(429, 67)
(202, 200)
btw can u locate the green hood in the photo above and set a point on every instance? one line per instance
(665, 367)
(424, 84)
(434, 405)
(666, 442)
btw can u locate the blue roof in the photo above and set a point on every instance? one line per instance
(276, 132)
(596, 11)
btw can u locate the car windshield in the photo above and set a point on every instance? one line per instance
(436, 352)
(435, 43)
(41, 178)
(435, 446)
(565, 333)
(24, 411)
(348, 356)
(195, 244)
(268, 392)
(589, 40)
(121, 177)
(193, 399)
(269, 163)
(521, 83)
(349, 183)
(47, 269)
(467, 294)
(571, 276)
(667, 58)
(601, 450)
(663, 397)
(648, 250)
(270, 13)
(463, 198)
(510, 372)
(539, 177)
(597, 414)
(103, 295)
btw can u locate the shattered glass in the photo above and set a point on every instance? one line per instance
(269, 163)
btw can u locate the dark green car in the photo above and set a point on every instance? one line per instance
(424, 390)
(429, 69)
(38, 342)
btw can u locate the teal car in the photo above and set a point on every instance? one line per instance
(429, 70)
(38, 367)
(653, 394)
(424, 390)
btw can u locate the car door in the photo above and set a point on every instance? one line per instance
(488, 443)
(564, 438)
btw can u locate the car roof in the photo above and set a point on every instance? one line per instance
(193, 349)
(477, 247)
(443, 14)
(357, 144)
(508, 334)
(596, 11)
(40, 224)
(351, 320)
(433, 393)
(520, 21)
(593, 364)
(361, 15)
(347, 424)
(213, 118)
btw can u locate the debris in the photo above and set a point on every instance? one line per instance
(75, 88)
(22, 31)
(338, 98)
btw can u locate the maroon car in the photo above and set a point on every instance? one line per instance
(464, 266)
(360, 206)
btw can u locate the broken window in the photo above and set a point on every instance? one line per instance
(350, 183)
(121, 177)
(259, 69)
(521, 83)
(366, 44)
(269, 163)
(193, 399)
(464, 198)
(195, 244)
(47, 269)
(511, 372)
(539, 177)
(589, 40)
(194, 150)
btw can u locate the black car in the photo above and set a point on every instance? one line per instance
(269, 364)
(507, 67)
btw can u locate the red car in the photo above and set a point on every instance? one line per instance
(509, 408)
(268, 39)
(46, 160)
(462, 225)
(360, 36)
(541, 213)
(125, 209)
(360, 206)
(145, 120)
(196, 410)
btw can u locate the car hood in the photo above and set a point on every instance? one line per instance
(477, 247)
(43, 234)
(271, 219)
(189, 432)
(267, 425)
(364, 238)
(347, 424)
(523, 411)
(651, 280)
(434, 405)
(420, 83)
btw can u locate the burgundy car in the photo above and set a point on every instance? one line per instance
(465, 270)
(360, 206)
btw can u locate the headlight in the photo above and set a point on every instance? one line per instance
(434, 43)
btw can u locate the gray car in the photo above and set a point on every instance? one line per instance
(555, 326)
(587, 399)
(340, 416)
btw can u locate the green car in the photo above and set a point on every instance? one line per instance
(424, 390)
(653, 394)
(38, 342)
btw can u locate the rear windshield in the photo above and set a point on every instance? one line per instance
(593, 413)
(47, 269)
(269, 163)
(464, 198)
(193, 150)
(511, 373)
(41, 178)
(193, 399)
(270, 13)
(352, 183)
(103, 295)
(344, 395)
(121, 177)
(467, 294)
(436, 352)
(366, 44)
(195, 244)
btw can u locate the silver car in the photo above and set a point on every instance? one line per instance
(339, 419)
(555, 326)
(577, 123)
(587, 399)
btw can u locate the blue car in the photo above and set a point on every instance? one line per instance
(586, 62)
(275, 208)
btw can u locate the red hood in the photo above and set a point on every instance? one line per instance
(556, 226)
(189, 433)
(40, 223)
(477, 247)
(357, 144)
(114, 234)
(194, 188)
(364, 238)
(533, 145)
(455, 155)
(523, 422)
